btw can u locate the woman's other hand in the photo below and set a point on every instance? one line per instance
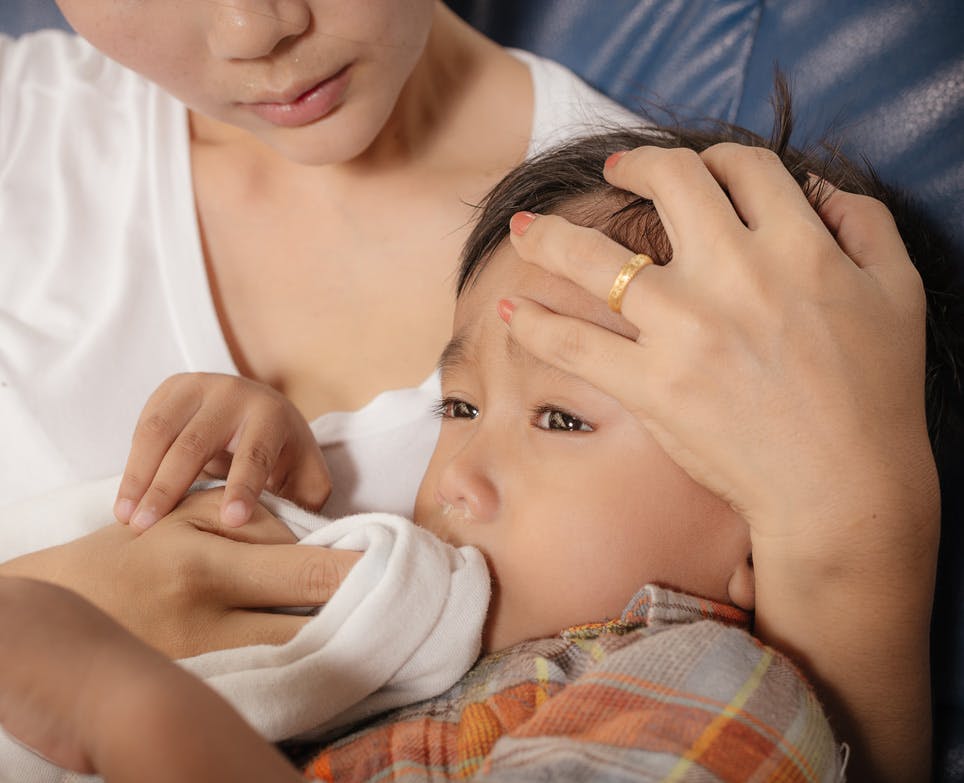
(189, 584)
(224, 426)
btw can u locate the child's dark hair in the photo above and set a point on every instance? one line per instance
(568, 180)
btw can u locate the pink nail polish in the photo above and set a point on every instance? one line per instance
(506, 308)
(612, 159)
(520, 222)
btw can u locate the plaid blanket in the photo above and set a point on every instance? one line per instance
(676, 689)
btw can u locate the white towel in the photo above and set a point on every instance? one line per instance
(404, 625)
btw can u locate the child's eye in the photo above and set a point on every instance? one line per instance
(555, 419)
(452, 408)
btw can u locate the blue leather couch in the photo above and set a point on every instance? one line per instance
(889, 75)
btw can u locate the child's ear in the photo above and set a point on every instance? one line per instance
(741, 588)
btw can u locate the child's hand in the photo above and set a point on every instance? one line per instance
(224, 426)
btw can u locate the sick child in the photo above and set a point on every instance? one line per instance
(627, 539)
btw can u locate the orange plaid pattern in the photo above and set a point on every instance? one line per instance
(674, 690)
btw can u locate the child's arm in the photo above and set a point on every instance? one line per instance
(785, 373)
(224, 425)
(87, 695)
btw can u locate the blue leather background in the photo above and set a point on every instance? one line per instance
(888, 74)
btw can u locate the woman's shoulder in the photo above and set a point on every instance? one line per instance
(57, 80)
(566, 106)
(54, 59)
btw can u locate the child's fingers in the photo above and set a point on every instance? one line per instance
(197, 443)
(302, 476)
(254, 461)
(165, 416)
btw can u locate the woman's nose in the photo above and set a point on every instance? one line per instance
(249, 29)
(466, 487)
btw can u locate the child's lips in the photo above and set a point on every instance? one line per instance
(295, 109)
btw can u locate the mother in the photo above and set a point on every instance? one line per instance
(310, 571)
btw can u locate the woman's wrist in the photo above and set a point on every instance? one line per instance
(861, 583)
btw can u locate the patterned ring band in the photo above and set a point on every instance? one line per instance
(626, 274)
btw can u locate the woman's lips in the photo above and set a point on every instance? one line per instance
(313, 104)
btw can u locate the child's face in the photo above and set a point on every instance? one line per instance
(571, 500)
(224, 58)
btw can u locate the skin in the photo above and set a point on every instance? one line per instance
(550, 477)
(362, 210)
(190, 584)
(844, 534)
(114, 705)
(219, 58)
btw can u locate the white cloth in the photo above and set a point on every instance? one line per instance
(103, 291)
(404, 626)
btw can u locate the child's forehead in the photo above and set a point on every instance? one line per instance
(507, 276)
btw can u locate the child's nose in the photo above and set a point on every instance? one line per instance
(248, 29)
(466, 488)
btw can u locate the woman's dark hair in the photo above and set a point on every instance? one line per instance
(568, 180)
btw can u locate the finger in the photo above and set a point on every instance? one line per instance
(243, 628)
(581, 348)
(862, 226)
(203, 437)
(219, 465)
(257, 576)
(165, 415)
(690, 202)
(259, 445)
(201, 511)
(584, 255)
(760, 187)
(302, 476)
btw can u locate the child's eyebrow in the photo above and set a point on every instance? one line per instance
(453, 354)
(516, 353)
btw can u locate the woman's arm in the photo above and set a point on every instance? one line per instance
(189, 585)
(80, 690)
(784, 371)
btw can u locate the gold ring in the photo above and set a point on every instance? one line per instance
(626, 274)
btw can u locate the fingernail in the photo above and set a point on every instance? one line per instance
(235, 513)
(123, 508)
(520, 222)
(144, 518)
(506, 307)
(612, 159)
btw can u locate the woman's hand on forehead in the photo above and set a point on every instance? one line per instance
(739, 340)
(780, 362)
